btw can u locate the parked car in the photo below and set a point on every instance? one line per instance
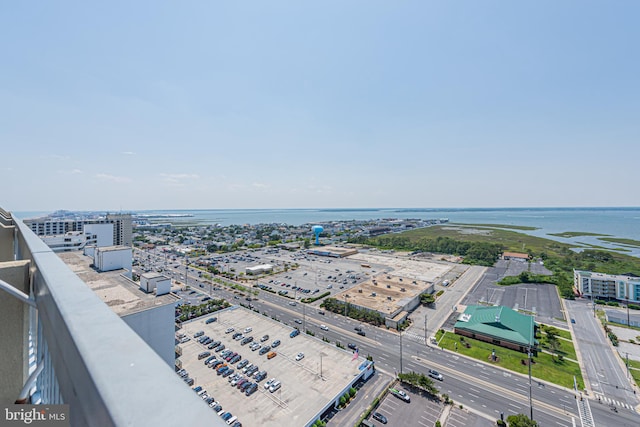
(260, 376)
(275, 386)
(242, 364)
(271, 355)
(211, 320)
(379, 417)
(251, 389)
(294, 333)
(299, 356)
(400, 394)
(204, 354)
(264, 338)
(229, 330)
(264, 350)
(275, 344)
(268, 383)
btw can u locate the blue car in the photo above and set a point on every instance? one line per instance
(227, 415)
(294, 333)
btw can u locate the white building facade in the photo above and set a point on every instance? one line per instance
(622, 287)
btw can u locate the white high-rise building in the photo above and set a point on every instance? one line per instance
(122, 231)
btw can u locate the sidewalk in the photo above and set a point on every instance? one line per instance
(348, 416)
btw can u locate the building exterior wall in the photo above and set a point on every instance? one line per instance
(156, 327)
(103, 233)
(160, 283)
(71, 241)
(491, 339)
(607, 286)
(107, 259)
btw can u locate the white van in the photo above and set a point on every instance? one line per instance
(231, 420)
(275, 386)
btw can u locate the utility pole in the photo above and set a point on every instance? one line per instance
(628, 376)
(186, 270)
(425, 330)
(400, 350)
(530, 399)
(345, 305)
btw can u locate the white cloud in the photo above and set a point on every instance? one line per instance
(128, 153)
(70, 172)
(112, 178)
(260, 185)
(56, 157)
(177, 177)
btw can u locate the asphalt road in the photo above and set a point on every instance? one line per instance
(606, 375)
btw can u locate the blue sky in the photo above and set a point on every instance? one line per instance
(290, 104)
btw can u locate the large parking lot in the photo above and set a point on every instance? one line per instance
(420, 411)
(303, 393)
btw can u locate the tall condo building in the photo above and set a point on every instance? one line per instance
(54, 226)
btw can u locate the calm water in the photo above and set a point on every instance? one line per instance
(615, 222)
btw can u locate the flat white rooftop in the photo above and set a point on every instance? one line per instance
(121, 294)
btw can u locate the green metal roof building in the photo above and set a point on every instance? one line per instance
(498, 325)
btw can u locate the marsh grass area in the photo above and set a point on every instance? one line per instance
(627, 242)
(569, 234)
(546, 366)
(561, 258)
(492, 233)
(507, 226)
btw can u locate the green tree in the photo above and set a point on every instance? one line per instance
(521, 420)
(427, 299)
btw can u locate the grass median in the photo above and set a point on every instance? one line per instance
(546, 367)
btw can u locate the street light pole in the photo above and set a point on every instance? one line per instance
(628, 376)
(530, 399)
(345, 305)
(400, 350)
(425, 329)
